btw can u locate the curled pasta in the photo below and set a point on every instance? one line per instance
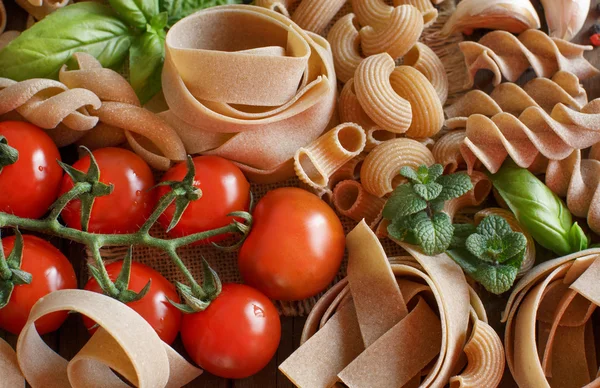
(315, 163)
(504, 54)
(377, 97)
(482, 186)
(427, 112)
(430, 13)
(371, 12)
(446, 151)
(344, 39)
(380, 172)
(349, 171)
(39, 9)
(315, 15)
(280, 6)
(353, 201)
(376, 136)
(422, 58)
(350, 109)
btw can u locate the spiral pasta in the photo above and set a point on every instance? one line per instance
(430, 13)
(422, 58)
(446, 150)
(315, 15)
(506, 55)
(380, 171)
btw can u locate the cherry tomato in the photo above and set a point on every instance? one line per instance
(295, 247)
(50, 271)
(30, 185)
(131, 202)
(154, 307)
(224, 190)
(236, 336)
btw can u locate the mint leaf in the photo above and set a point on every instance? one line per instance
(435, 172)
(437, 205)
(423, 173)
(496, 278)
(461, 233)
(401, 230)
(434, 234)
(403, 202)
(428, 191)
(455, 185)
(493, 225)
(409, 173)
(495, 242)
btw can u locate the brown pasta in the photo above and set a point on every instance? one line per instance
(446, 151)
(39, 9)
(353, 201)
(422, 58)
(315, 163)
(7, 37)
(380, 171)
(509, 56)
(2, 17)
(344, 39)
(430, 13)
(349, 107)
(315, 15)
(376, 136)
(349, 171)
(372, 12)
(482, 186)
(281, 6)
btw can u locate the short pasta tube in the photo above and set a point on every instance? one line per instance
(353, 201)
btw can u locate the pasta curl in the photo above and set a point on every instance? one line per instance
(315, 15)
(446, 151)
(422, 58)
(507, 55)
(39, 9)
(430, 13)
(345, 39)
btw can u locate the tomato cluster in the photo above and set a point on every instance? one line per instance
(293, 251)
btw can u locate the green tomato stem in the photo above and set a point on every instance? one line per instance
(58, 206)
(5, 272)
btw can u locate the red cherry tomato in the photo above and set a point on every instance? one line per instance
(295, 247)
(224, 190)
(131, 202)
(30, 185)
(154, 307)
(236, 336)
(50, 271)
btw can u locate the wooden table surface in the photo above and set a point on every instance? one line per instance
(72, 335)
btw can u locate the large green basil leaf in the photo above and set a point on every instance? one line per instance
(541, 212)
(178, 9)
(136, 13)
(41, 50)
(146, 58)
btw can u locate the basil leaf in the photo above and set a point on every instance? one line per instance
(136, 13)
(88, 27)
(541, 212)
(146, 58)
(178, 9)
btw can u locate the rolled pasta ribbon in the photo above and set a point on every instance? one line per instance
(482, 186)
(39, 9)
(549, 339)
(377, 96)
(315, 163)
(529, 259)
(125, 343)
(262, 140)
(426, 107)
(281, 6)
(122, 117)
(345, 39)
(391, 324)
(507, 55)
(446, 151)
(315, 15)
(430, 13)
(380, 171)
(353, 201)
(422, 58)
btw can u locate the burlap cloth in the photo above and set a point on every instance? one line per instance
(225, 263)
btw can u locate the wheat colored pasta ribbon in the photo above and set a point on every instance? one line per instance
(380, 171)
(352, 201)
(124, 343)
(315, 163)
(422, 58)
(482, 186)
(315, 15)
(430, 13)
(446, 151)
(378, 98)
(9, 367)
(281, 6)
(344, 39)
(509, 56)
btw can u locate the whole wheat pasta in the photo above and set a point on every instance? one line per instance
(430, 13)
(344, 39)
(7, 37)
(349, 107)
(351, 200)
(376, 136)
(594, 152)
(349, 171)
(380, 172)
(373, 13)
(529, 258)
(315, 15)
(281, 6)
(402, 30)
(427, 111)
(39, 9)
(422, 58)
(9, 366)
(509, 56)
(315, 163)
(482, 186)
(377, 97)
(325, 193)
(2, 17)
(446, 151)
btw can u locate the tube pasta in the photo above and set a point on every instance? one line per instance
(377, 97)
(529, 258)
(379, 173)
(39, 9)
(446, 151)
(315, 15)
(349, 171)
(352, 201)
(344, 39)
(427, 112)
(422, 58)
(376, 136)
(504, 54)
(482, 186)
(280, 6)
(430, 13)
(315, 163)
(372, 12)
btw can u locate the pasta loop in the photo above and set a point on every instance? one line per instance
(350, 199)
(446, 151)
(430, 13)
(315, 15)
(422, 58)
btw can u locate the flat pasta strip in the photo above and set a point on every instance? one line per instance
(9, 367)
(315, 15)
(430, 13)
(380, 170)
(446, 151)
(350, 199)
(344, 39)
(509, 56)
(422, 58)
(316, 162)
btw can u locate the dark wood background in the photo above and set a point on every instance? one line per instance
(72, 335)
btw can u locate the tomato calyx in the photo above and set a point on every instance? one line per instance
(8, 154)
(11, 274)
(119, 290)
(197, 298)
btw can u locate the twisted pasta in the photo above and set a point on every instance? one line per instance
(148, 135)
(280, 6)
(353, 201)
(380, 171)
(315, 15)
(504, 54)
(446, 151)
(430, 13)
(422, 58)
